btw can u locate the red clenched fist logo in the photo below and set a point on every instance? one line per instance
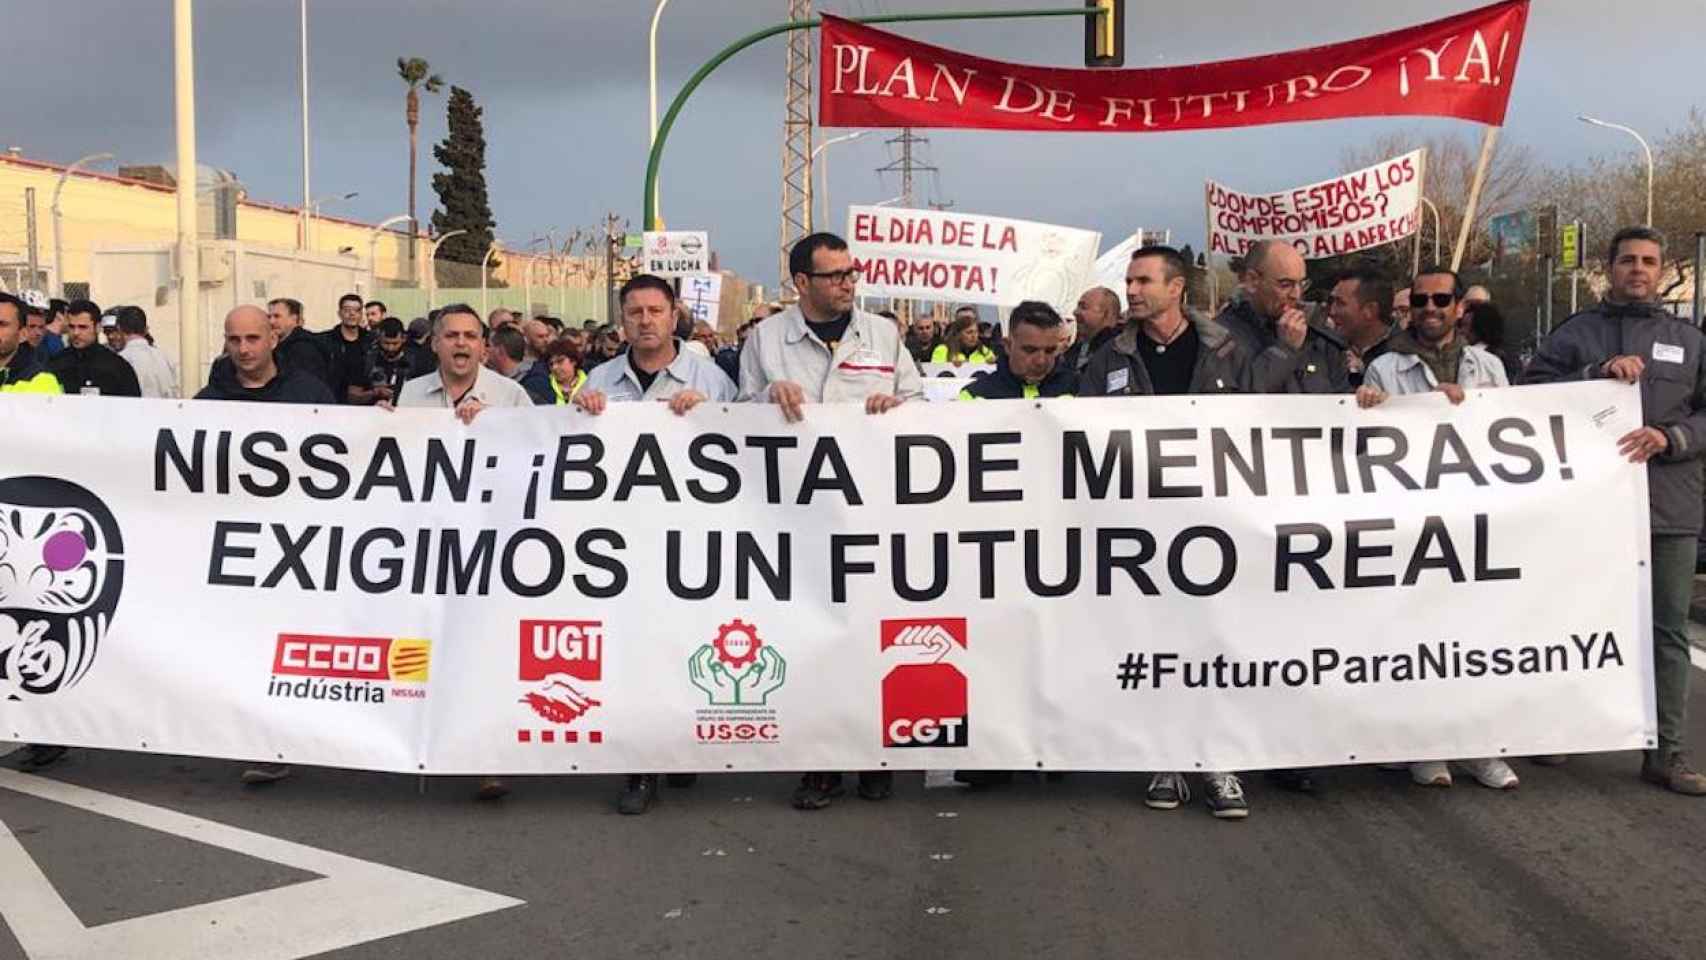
(924, 695)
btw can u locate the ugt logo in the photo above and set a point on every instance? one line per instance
(559, 659)
(61, 573)
(737, 668)
(924, 697)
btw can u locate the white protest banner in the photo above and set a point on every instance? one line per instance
(703, 295)
(1362, 209)
(676, 253)
(965, 258)
(1156, 584)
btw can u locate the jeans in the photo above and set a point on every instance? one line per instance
(1673, 589)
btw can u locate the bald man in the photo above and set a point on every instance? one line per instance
(1291, 354)
(1099, 316)
(253, 374)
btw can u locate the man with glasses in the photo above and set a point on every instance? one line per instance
(346, 346)
(1431, 356)
(823, 350)
(1629, 337)
(1291, 354)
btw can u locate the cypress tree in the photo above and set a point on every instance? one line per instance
(461, 188)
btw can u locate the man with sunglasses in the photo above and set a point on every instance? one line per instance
(823, 350)
(1628, 337)
(1433, 355)
(1291, 354)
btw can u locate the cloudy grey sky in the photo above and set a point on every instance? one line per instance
(563, 83)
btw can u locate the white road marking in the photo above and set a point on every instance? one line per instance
(354, 901)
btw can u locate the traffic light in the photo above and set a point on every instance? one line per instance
(1104, 34)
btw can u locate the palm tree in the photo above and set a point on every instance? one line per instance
(415, 73)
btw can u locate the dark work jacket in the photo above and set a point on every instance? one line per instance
(1673, 393)
(1077, 356)
(1001, 384)
(1317, 367)
(303, 352)
(289, 386)
(1223, 364)
(346, 360)
(95, 367)
(537, 382)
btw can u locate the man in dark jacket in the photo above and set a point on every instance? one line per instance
(1628, 338)
(1165, 351)
(346, 348)
(1028, 369)
(1360, 307)
(1288, 353)
(297, 348)
(393, 361)
(508, 356)
(254, 373)
(86, 365)
(1098, 315)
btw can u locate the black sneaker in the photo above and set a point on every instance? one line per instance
(681, 780)
(40, 756)
(1166, 791)
(638, 795)
(265, 773)
(876, 784)
(491, 789)
(1224, 795)
(817, 790)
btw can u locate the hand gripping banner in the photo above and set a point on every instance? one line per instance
(1177, 583)
(1461, 66)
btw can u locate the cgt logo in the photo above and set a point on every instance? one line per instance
(924, 697)
(374, 659)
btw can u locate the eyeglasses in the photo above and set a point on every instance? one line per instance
(1441, 300)
(836, 276)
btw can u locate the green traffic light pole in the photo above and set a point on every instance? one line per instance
(656, 158)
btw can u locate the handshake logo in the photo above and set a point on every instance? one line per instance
(737, 671)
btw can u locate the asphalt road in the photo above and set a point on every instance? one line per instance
(1583, 861)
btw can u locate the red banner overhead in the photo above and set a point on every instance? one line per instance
(1461, 67)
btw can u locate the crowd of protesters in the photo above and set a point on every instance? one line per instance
(1368, 339)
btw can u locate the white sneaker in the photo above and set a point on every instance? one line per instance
(1491, 773)
(1430, 773)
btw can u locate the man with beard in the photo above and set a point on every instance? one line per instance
(86, 366)
(394, 361)
(921, 338)
(1629, 337)
(1431, 356)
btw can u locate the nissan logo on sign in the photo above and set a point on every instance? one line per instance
(677, 253)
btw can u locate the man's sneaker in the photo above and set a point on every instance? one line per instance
(265, 773)
(1550, 759)
(637, 796)
(1166, 791)
(40, 756)
(876, 784)
(1672, 773)
(1430, 773)
(1225, 796)
(1492, 773)
(817, 790)
(491, 788)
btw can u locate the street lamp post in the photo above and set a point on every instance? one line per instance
(191, 362)
(373, 251)
(532, 259)
(58, 248)
(485, 268)
(313, 210)
(1644, 148)
(657, 14)
(432, 267)
(303, 69)
(827, 212)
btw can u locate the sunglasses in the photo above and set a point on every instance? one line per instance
(1441, 300)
